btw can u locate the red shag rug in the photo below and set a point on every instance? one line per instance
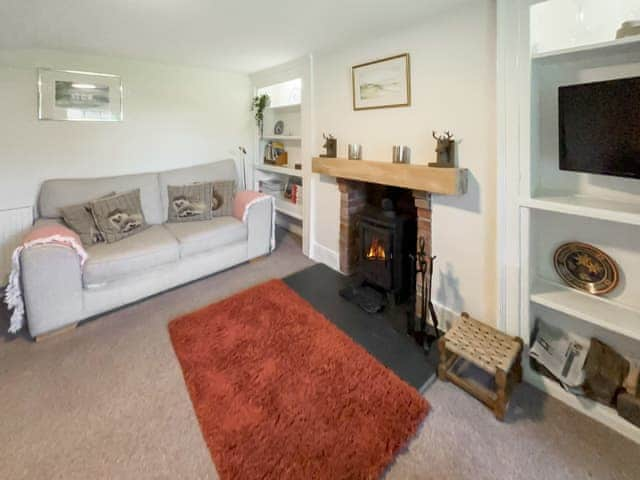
(282, 393)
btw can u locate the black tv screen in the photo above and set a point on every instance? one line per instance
(600, 127)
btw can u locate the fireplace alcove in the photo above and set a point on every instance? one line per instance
(409, 186)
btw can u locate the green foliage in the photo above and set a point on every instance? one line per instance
(259, 104)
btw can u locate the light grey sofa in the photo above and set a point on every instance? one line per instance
(59, 292)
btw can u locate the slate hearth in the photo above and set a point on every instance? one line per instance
(383, 334)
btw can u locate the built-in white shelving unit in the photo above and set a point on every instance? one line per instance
(285, 108)
(559, 206)
(586, 206)
(623, 46)
(288, 171)
(288, 90)
(595, 410)
(598, 311)
(293, 210)
(282, 137)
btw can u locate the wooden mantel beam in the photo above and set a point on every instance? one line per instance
(441, 181)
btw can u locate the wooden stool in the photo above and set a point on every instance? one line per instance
(485, 347)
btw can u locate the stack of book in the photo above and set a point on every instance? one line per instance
(271, 186)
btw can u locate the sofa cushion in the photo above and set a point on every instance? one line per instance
(80, 218)
(197, 237)
(136, 254)
(119, 216)
(190, 203)
(56, 194)
(208, 172)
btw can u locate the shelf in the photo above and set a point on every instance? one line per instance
(287, 208)
(293, 107)
(595, 410)
(602, 209)
(589, 52)
(292, 172)
(443, 181)
(284, 138)
(589, 308)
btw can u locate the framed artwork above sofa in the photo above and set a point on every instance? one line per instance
(79, 96)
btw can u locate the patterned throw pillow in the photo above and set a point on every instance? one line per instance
(222, 199)
(119, 216)
(190, 203)
(80, 219)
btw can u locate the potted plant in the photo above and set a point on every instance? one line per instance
(260, 102)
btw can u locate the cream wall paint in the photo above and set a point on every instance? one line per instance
(173, 116)
(453, 75)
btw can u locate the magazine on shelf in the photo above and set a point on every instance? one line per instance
(562, 354)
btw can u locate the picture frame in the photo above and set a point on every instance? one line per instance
(71, 95)
(383, 83)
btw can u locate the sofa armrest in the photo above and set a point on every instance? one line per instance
(51, 277)
(259, 225)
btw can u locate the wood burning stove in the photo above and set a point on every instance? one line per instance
(387, 241)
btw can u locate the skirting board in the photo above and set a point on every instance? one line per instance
(325, 255)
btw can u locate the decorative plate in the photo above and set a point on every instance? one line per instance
(278, 129)
(586, 268)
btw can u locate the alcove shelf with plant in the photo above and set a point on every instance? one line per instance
(281, 131)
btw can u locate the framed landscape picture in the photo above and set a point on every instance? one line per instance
(382, 83)
(79, 96)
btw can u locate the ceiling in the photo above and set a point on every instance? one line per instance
(237, 35)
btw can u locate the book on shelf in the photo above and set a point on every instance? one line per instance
(271, 187)
(296, 194)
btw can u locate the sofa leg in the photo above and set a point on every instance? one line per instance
(55, 333)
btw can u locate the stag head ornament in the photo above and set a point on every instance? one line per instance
(330, 145)
(444, 150)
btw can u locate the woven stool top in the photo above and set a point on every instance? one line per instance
(482, 345)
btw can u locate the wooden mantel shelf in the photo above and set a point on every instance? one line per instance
(443, 181)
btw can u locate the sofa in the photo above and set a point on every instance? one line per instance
(59, 292)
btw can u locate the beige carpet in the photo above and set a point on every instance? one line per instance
(108, 401)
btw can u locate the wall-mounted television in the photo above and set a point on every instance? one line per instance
(600, 127)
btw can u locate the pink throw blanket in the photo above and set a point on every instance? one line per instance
(244, 199)
(45, 235)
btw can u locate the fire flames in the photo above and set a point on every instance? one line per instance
(376, 251)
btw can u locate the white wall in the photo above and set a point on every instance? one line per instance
(453, 63)
(173, 117)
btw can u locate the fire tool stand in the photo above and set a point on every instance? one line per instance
(423, 265)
